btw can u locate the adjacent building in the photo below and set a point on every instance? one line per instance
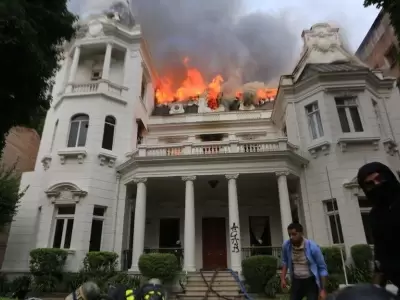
(380, 47)
(214, 185)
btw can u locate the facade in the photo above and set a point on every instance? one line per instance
(380, 47)
(213, 186)
(22, 145)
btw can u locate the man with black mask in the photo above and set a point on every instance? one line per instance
(382, 188)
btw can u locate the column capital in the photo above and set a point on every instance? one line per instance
(139, 180)
(282, 173)
(189, 178)
(231, 176)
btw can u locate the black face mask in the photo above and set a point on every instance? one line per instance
(383, 193)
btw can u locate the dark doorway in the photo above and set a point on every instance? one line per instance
(260, 235)
(169, 233)
(214, 244)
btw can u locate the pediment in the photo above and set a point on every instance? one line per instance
(65, 192)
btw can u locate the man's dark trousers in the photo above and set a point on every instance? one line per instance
(304, 288)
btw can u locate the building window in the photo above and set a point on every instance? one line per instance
(54, 136)
(96, 75)
(64, 223)
(365, 208)
(143, 87)
(314, 121)
(391, 56)
(333, 219)
(78, 131)
(349, 116)
(108, 134)
(97, 228)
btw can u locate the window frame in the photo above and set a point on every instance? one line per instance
(98, 218)
(65, 218)
(333, 213)
(348, 113)
(313, 118)
(113, 133)
(78, 130)
(363, 210)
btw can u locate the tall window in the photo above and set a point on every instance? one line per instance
(64, 224)
(333, 218)
(314, 121)
(143, 86)
(97, 228)
(365, 208)
(78, 131)
(108, 134)
(54, 136)
(349, 116)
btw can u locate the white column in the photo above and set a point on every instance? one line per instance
(189, 246)
(234, 224)
(74, 66)
(107, 63)
(139, 223)
(284, 202)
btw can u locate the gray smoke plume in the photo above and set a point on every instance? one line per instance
(217, 38)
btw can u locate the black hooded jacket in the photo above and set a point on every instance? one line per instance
(384, 215)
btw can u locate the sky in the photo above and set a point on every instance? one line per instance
(354, 19)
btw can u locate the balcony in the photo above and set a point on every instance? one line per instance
(104, 87)
(216, 148)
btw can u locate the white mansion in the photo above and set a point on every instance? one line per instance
(115, 173)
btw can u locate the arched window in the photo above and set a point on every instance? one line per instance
(108, 134)
(78, 131)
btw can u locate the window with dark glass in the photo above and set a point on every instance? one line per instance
(349, 115)
(314, 120)
(64, 224)
(108, 134)
(97, 228)
(143, 86)
(334, 222)
(365, 207)
(78, 131)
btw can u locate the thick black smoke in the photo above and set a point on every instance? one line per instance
(218, 38)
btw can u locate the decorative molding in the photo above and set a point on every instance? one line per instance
(282, 173)
(345, 141)
(140, 180)
(232, 176)
(65, 193)
(322, 147)
(189, 178)
(46, 161)
(354, 187)
(79, 154)
(108, 158)
(390, 146)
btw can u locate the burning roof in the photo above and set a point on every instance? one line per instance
(214, 95)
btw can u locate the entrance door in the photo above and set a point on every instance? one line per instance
(214, 243)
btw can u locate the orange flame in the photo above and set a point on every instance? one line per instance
(194, 85)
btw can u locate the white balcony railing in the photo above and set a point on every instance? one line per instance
(93, 87)
(215, 148)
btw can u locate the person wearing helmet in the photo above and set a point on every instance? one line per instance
(362, 292)
(382, 188)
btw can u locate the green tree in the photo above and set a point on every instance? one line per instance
(9, 195)
(392, 7)
(32, 33)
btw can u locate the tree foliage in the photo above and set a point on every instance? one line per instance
(392, 7)
(9, 195)
(32, 33)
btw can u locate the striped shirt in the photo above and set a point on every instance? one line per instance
(301, 268)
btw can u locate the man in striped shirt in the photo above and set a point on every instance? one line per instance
(304, 260)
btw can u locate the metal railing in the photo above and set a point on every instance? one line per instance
(263, 250)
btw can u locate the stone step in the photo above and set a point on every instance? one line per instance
(217, 288)
(227, 283)
(202, 293)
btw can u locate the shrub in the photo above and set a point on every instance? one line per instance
(163, 266)
(362, 256)
(258, 270)
(273, 286)
(333, 259)
(100, 262)
(47, 261)
(333, 282)
(47, 266)
(125, 279)
(356, 275)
